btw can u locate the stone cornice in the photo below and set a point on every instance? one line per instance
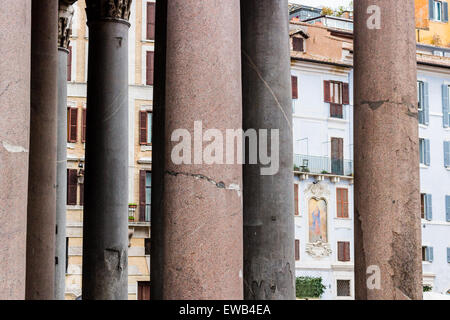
(65, 16)
(108, 9)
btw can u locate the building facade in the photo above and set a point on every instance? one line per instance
(141, 49)
(323, 146)
(432, 25)
(321, 63)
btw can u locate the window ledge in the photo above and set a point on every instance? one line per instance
(423, 126)
(424, 166)
(146, 148)
(426, 263)
(148, 41)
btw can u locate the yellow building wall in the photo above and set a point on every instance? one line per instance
(430, 32)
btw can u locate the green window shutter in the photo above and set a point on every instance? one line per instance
(426, 103)
(447, 207)
(430, 254)
(445, 105)
(431, 9)
(427, 152)
(445, 12)
(429, 207)
(447, 154)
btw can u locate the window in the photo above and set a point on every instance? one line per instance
(342, 202)
(143, 290)
(150, 21)
(445, 105)
(424, 148)
(296, 203)
(438, 10)
(447, 154)
(343, 251)
(83, 126)
(149, 68)
(147, 246)
(72, 125)
(447, 208)
(448, 261)
(343, 288)
(297, 250)
(427, 254)
(426, 206)
(336, 94)
(294, 80)
(145, 195)
(67, 255)
(145, 127)
(337, 156)
(422, 98)
(72, 185)
(297, 44)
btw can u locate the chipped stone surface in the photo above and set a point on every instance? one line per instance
(15, 39)
(202, 210)
(387, 202)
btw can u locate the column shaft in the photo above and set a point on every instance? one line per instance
(61, 177)
(269, 267)
(387, 206)
(105, 218)
(15, 50)
(158, 153)
(40, 274)
(202, 202)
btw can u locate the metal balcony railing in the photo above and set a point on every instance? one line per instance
(323, 165)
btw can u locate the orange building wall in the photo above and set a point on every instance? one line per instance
(430, 32)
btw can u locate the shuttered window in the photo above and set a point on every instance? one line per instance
(72, 183)
(447, 208)
(145, 195)
(343, 251)
(297, 44)
(424, 105)
(296, 204)
(149, 68)
(83, 132)
(294, 80)
(297, 250)
(427, 254)
(81, 194)
(447, 154)
(428, 206)
(342, 202)
(145, 127)
(150, 21)
(143, 290)
(69, 64)
(72, 124)
(425, 155)
(337, 156)
(445, 106)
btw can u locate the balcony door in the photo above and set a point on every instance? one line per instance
(337, 156)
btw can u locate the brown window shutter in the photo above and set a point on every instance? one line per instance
(150, 21)
(297, 44)
(294, 87)
(344, 203)
(339, 203)
(345, 94)
(346, 251)
(142, 175)
(296, 199)
(143, 127)
(326, 91)
(73, 124)
(150, 63)
(341, 251)
(72, 182)
(81, 194)
(83, 132)
(297, 250)
(69, 64)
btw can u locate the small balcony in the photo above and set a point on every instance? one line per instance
(323, 165)
(138, 215)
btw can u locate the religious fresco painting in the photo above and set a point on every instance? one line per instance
(317, 214)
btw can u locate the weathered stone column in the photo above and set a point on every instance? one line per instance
(269, 268)
(387, 206)
(105, 218)
(15, 50)
(158, 154)
(203, 249)
(41, 222)
(64, 31)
